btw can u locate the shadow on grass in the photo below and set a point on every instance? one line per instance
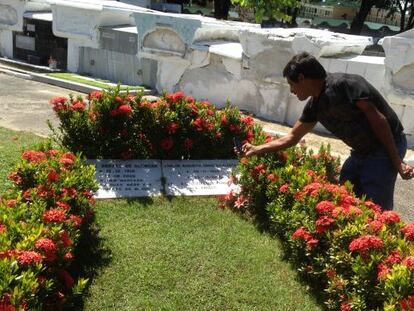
(260, 219)
(142, 201)
(91, 256)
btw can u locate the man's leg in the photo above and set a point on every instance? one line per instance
(350, 171)
(378, 176)
(378, 180)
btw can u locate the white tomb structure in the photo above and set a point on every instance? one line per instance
(213, 60)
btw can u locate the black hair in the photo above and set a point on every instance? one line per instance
(306, 64)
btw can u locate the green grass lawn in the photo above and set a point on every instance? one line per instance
(104, 84)
(11, 145)
(176, 254)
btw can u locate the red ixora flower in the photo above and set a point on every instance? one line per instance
(58, 103)
(57, 100)
(348, 200)
(167, 143)
(3, 228)
(15, 177)
(68, 256)
(67, 159)
(54, 215)
(259, 169)
(284, 188)
(409, 262)
(407, 303)
(175, 97)
(240, 202)
(189, 99)
(52, 176)
(371, 205)
(408, 232)
(325, 207)
(75, 219)
(199, 124)
(223, 119)
(78, 105)
(63, 205)
(323, 223)
(389, 217)
(365, 243)
(385, 266)
(125, 110)
(69, 192)
(34, 156)
(272, 177)
(383, 271)
(374, 226)
(234, 128)
(248, 120)
(11, 203)
(172, 128)
(95, 95)
(345, 307)
(29, 257)
(65, 238)
(46, 245)
(312, 189)
(303, 234)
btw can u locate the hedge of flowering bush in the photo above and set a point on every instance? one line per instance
(40, 221)
(116, 125)
(358, 257)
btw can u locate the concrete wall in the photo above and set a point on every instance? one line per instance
(11, 15)
(6, 43)
(110, 65)
(244, 65)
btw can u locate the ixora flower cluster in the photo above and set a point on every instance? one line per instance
(42, 216)
(114, 125)
(356, 256)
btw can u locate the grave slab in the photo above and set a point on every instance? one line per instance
(197, 177)
(127, 178)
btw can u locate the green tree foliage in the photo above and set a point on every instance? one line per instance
(270, 9)
(364, 9)
(406, 9)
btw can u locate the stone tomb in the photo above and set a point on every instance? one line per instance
(141, 178)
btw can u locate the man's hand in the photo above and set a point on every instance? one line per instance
(250, 150)
(406, 171)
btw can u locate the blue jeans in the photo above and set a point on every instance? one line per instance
(373, 175)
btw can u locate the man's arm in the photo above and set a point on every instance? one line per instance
(382, 131)
(291, 139)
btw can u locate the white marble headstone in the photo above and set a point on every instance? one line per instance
(197, 177)
(127, 178)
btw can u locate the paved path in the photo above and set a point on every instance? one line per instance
(24, 106)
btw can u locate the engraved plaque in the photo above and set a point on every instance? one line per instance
(127, 178)
(197, 177)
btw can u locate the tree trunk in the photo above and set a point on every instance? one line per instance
(294, 14)
(358, 22)
(410, 22)
(221, 9)
(402, 12)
